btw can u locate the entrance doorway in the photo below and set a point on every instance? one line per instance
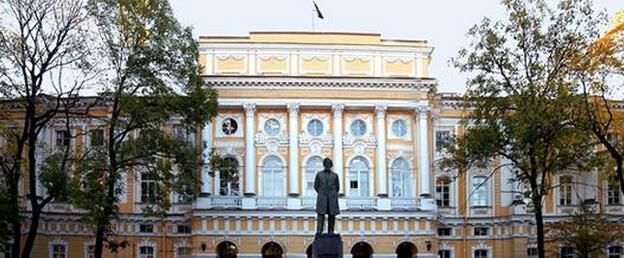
(272, 250)
(362, 250)
(406, 250)
(227, 250)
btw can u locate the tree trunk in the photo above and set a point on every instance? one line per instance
(99, 241)
(32, 179)
(16, 224)
(539, 219)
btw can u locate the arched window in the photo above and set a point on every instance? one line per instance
(229, 179)
(272, 250)
(313, 166)
(272, 177)
(401, 179)
(227, 250)
(565, 190)
(479, 191)
(406, 250)
(358, 177)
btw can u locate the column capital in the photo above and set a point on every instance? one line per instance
(380, 111)
(338, 109)
(422, 111)
(293, 108)
(250, 109)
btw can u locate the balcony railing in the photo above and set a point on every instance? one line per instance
(307, 203)
(272, 202)
(226, 202)
(404, 203)
(362, 203)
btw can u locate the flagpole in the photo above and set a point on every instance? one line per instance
(313, 18)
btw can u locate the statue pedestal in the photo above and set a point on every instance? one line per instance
(327, 245)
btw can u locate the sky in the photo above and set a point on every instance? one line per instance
(443, 23)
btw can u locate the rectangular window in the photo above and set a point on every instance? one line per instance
(532, 252)
(146, 252)
(184, 252)
(184, 229)
(615, 252)
(565, 190)
(442, 140)
(149, 188)
(58, 251)
(91, 251)
(444, 254)
(97, 137)
(481, 253)
(481, 231)
(444, 231)
(146, 228)
(566, 252)
(613, 192)
(63, 138)
(443, 195)
(479, 191)
(182, 134)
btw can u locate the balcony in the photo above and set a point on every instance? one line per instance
(307, 203)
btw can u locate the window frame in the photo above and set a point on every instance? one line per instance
(364, 128)
(277, 176)
(566, 198)
(442, 190)
(359, 172)
(269, 130)
(483, 199)
(317, 122)
(398, 123)
(405, 177)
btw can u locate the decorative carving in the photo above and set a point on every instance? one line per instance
(380, 111)
(293, 109)
(338, 109)
(250, 109)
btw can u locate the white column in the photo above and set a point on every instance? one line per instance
(206, 178)
(337, 160)
(382, 176)
(293, 151)
(250, 149)
(423, 152)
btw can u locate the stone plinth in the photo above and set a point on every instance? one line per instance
(327, 245)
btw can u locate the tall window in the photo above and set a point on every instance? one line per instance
(444, 254)
(63, 138)
(97, 137)
(613, 192)
(566, 252)
(146, 252)
(58, 251)
(565, 190)
(90, 251)
(481, 253)
(401, 179)
(358, 177)
(229, 181)
(272, 177)
(615, 252)
(442, 140)
(313, 166)
(532, 252)
(149, 188)
(443, 195)
(479, 191)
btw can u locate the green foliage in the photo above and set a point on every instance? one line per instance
(520, 99)
(7, 216)
(589, 230)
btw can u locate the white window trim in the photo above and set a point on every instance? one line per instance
(371, 181)
(481, 246)
(489, 184)
(146, 243)
(452, 192)
(284, 171)
(183, 243)
(86, 247)
(446, 246)
(304, 170)
(606, 195)
(412, 177)
(217, 176)
(57, 241)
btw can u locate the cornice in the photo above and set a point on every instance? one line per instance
(296, 82)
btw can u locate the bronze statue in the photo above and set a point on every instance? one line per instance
(326, 185)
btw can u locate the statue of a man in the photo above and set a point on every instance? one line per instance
(327, 185)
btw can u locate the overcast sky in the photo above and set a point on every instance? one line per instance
(443, 23)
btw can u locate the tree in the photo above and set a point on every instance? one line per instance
(152, 78)
(599, 70)
(587, 230)
(44, 65)
(519, 99)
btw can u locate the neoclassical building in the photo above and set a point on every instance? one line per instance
(289, 99)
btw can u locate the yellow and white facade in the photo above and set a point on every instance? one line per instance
(289, 99)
